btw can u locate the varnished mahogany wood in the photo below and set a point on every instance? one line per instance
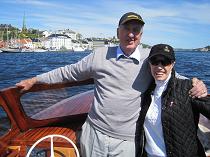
(25, 130)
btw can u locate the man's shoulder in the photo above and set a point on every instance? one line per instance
(144, 51)
(106, 49)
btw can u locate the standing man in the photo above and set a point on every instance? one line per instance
(121, 74)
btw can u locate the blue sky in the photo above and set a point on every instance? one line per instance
(180, 23)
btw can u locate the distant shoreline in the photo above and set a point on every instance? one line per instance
(191, 51)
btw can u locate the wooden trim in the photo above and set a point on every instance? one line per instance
(12, 96)
(31, 136)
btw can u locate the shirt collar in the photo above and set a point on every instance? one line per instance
(134, 55)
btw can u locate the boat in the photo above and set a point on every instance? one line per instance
(11, 50)
(39, 50)
(61, 120)
(33, 50)
(19, 50)
(78, 49)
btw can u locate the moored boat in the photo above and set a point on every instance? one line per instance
(78, 49)
(64, 118)
(11, 50)
(19, 50)
(39, 50)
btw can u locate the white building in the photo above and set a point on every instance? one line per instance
(65, 39)
(70, 33)
(57, 42)
(46, 33)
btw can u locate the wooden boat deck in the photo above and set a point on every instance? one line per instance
(35, 134)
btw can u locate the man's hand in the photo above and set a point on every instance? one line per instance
(26, 84)
(199, 89)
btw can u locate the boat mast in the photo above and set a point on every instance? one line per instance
(24, 24)
(7, 37)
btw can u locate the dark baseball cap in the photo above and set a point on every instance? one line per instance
(130, 16)
(162, 49)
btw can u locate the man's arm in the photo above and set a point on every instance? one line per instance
(199, 89)
(74, 72)
(27, 84)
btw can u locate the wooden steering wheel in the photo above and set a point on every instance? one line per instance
(51, 144)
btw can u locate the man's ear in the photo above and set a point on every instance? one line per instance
(118, 33)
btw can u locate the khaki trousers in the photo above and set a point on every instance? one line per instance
(93, 143)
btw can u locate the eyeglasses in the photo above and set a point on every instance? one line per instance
(163, 61)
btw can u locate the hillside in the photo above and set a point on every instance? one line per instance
(205, 49)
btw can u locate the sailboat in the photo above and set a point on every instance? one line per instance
(11, 48)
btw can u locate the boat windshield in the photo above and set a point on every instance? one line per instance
(53, 103)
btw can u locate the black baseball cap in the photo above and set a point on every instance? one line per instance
(162, 49)
(130, 16)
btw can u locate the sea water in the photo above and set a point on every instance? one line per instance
(17, 66)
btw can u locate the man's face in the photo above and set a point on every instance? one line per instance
(129, 35)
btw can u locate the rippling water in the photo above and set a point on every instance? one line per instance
(18, 66)
(194, 64)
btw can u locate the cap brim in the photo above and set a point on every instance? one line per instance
(161, 55)
(135, 19)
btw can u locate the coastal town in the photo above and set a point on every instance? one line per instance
(15, 40)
